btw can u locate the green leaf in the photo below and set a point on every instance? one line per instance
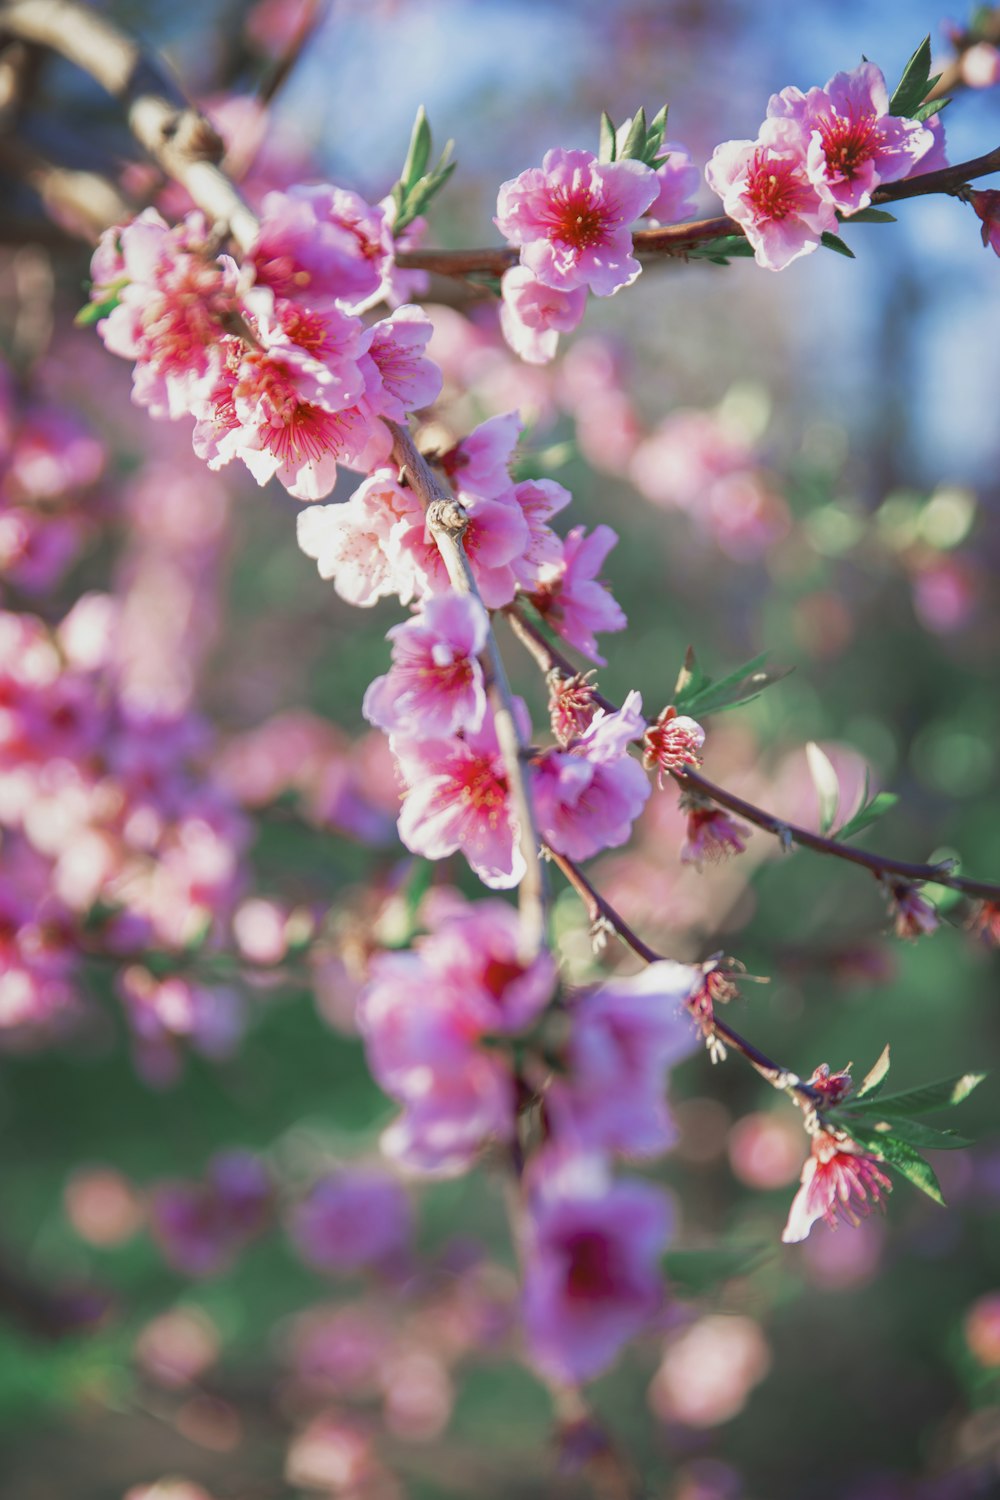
(419, 153)
(423, 190)
(869, 216)
(884, 1126)
(635, 140)
(727, 247)
(907, 1161)
(607, 148)
(741, 686)
(868, 813)
(695, 1271)
(927, 1098)
(827, 785)
(93, 312)
(875, 1078)
(930, 109)
(834, 242)
(654, 136)
(915, 84)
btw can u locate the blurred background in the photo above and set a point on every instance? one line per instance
(805, 464)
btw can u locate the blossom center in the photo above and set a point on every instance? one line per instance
(592, 1272)
(849, 141)
(774, 188)
(577, 219)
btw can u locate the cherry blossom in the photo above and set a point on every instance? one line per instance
(764, 185)
(435, 686)
(588, 796)
(571, 598)
(839, 1181)
(533, 315)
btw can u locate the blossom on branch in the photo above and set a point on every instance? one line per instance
(588, 797)
(840, 1181)
(435, 685)
(765, 186)
(572, 599)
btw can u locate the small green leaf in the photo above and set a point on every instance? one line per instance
(654, 136)
(914, 86)
(741, 686)
(867, 814)
(727, 247)
(907, 1161)
(696, 1271)
(834, 242)
(419, 153)
(875, 1078)
(927, 1098)
(884, 1126)
(930, 109)
(607, 148)
(869, 216)
(827, 785)
(92, 312)
(635, 140)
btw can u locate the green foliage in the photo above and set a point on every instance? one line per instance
(834, 242)
(915, 84)
(721, 251)
(868, 216)
(417, 186)
(869, 812)
(692, 1272)
(642, 142)
(696, 693)
(827, 785)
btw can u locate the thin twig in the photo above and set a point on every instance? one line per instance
(447, 521)
(550, 659)
(171, 130)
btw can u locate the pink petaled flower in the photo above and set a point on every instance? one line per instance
(672, 743)
(170, 311)
(410, 381)
(625, 1035)
(540, 500)
(985, 923)
(572, 705)
(937, 156)
(353, 543)
(473, 949)
(399, 286)
(571, 597)
(571, 217)
(678, 180)
(588, 797)
(495, 538)
(201, 1227)
(457, 797)
(839, 1181)
(712, 835)
(420, 1043)
(352, 1219)
(854, 142)
(765, 187)
(986, 204)
(834, 1087)
(533, 315)
(914, 916)
(321, 244)
(480, 463)
(435, 685)
(592, 1274)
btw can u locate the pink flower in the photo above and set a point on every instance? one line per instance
(672, 743)
(540, 500)
(354, 543)
(410, 381)
(320, 245)
(764, 185)
(986, 203)
(533, 315)
(625, 1035)
(435, 686)
(480, 463)
(913, 914)
(457, 797)
(571, 217)
(678, 179)
(495, 539)
(473, 949)
(854, 143)
(572, 705)
(592, 1277)
(711, 835)
(352, 1219)
(201, 1227)
(588, 797)
(572, 599)
(839, 1180)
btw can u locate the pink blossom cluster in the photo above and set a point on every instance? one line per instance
(818, 155)
(49, 464)
(571, 220)
(106, 816)
(272, 358)
(202, 1226)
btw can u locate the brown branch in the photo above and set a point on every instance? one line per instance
(677, 239)
(603, 917)
(170, 129)
(447, 521)
(882, 866)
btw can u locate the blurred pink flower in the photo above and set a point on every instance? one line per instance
(533, 315)
(839, 1181)
(354, 1219)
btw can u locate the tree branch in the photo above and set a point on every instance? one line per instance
(171, 130)
(882, 866)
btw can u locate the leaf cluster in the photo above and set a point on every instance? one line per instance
(417, 185)
(696, 693)
(641, 142)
